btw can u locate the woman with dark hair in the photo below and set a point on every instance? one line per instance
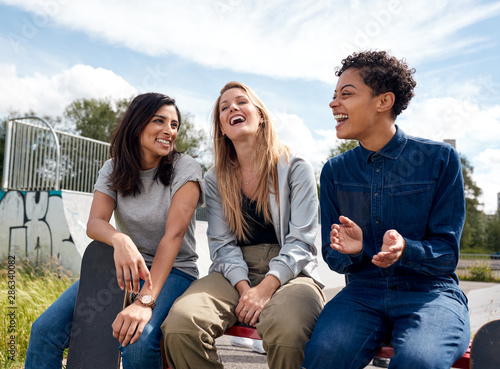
(153, 191)
(262, 210)
(392, 211)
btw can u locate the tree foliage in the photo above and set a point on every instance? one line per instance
(345, 145)
(474, 231)
(191, 140)
(493, 232)
(96, 118)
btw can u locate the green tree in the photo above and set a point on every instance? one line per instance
(191, 140)
(474, 231)
(96, 118)
(493, 232)
(345, 145)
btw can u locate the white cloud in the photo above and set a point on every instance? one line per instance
(280, 38)
(473, 128)
(293, 132)
(49, 95)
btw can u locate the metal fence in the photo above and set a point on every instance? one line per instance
(37, 157)
(479, 263)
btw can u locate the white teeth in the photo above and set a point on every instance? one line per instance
(163, 141)
(340, 116)
(236, 118)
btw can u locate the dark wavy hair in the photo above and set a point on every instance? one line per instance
(125, 147)
(383, 73)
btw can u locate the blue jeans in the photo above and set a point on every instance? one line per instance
(427, 323)
(50, 333)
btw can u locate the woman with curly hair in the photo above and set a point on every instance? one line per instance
(262, 208)
(392, 211)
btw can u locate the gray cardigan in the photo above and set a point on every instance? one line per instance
(295, 222)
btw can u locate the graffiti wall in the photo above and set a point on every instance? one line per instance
(33, 225)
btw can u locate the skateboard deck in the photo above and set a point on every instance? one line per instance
(485, 350)
(99, 300)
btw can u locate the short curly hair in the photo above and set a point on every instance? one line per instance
(383, 73)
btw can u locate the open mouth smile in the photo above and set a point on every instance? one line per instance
(340, 117)
(237, 120)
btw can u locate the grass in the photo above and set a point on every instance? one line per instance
(35, 289)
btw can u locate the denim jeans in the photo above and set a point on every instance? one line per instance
(50, 333)
(427, 323)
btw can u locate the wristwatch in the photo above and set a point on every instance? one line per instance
(146, 300)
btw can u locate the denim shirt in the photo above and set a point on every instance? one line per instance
(412, 185)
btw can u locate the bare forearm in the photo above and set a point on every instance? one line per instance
(162, 265)
(103, 231)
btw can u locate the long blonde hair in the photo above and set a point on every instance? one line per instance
(269, 149)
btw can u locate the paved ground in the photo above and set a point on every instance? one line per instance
(484, 305)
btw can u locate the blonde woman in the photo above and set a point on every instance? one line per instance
(262, 220)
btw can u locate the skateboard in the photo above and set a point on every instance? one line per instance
(99, 300)
(485, 350)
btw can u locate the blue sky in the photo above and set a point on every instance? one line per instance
(55, 51)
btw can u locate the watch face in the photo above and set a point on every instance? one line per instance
(146, 299)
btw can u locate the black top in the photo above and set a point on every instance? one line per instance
(260, 231)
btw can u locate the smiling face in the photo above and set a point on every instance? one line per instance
(355, 108)
(158, 136)
(238, 115)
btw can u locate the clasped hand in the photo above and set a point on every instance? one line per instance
(254, 299)
(347, 238)
(130, 322)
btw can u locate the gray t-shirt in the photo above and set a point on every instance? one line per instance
(143, 217)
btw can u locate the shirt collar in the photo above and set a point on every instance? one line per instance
(391, 150)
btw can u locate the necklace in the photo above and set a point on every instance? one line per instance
(247, 181)
(248, 170)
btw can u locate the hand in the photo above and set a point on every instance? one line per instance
(346, 238)
(254, 299)
(393, 248)
(130, 265)
(130, 323)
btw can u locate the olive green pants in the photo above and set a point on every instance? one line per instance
(206, 310)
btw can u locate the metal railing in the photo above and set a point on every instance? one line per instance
(468, 262)
(37, 157)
